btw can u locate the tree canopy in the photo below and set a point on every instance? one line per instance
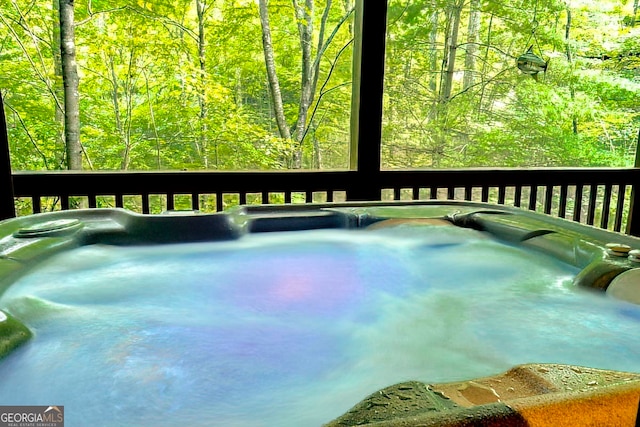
(266, 84)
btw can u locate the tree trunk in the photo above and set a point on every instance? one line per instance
(433, 47)
(239, 96)
(472, 44)
(446, 81)
(574, 119)
(152, 119)
(58, 87)
(115, 96)
(202, 92)
(451, 49)
(348, 6)
(310, 67)
(70, 80)
(272, 76)
(317, 155)
(321, 46)
(484, 64)
(304, 17)
(129, 93)
(115, 101)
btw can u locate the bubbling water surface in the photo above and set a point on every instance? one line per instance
(292, 329)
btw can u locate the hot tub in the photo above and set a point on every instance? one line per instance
(422, 313)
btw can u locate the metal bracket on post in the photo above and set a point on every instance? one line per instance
(7, 201)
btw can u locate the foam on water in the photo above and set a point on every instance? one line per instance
(292, 329)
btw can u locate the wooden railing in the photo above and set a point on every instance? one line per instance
(602, 197)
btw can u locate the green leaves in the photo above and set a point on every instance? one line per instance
(581, 112)
(143, 93)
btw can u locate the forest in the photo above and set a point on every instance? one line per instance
(267, 84)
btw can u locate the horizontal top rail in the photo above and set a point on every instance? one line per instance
(507, 177)
(135, 182)
(52, 183)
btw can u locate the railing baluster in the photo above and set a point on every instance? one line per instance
(416, 193)
(329, 196)
(577, 204)
(308, 196)
(171, 204)
(396, 193)
(64, 202)
(195, 201)
(548, 199)
(92, 200)
(433, 192)
(533, 197)
(243, 198)
(562, 206)
(451, 193)
(617, 225)
(517, 196)
(219, 201)
(265, 198)
(119, 200)
(287, 196)
(606, 204)
(37, 204)
(485, 194)
(467, 192)
(145, 203)
(593, 195)
(502, 193)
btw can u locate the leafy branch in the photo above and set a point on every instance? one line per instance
(26, 131)
(322, 91)
(31, 61)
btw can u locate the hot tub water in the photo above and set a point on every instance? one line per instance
(292, 329)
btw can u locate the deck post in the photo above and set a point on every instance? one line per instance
(7, 202)
(633, 223)
(370, 29)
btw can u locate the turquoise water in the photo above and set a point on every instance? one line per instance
(292, 329)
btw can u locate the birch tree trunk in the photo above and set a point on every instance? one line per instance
(433, 46)
(272, 76)
(304, 17)
(574, 119)
(348, 6)
(451, 50)
(484, 65)
(310, 68)
(115, 101)
(70, 81)
(472, 44)
(58, 87)
(202, 92)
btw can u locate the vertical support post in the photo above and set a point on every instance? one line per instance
(633, 222)
(370, 32)
(7, 202)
